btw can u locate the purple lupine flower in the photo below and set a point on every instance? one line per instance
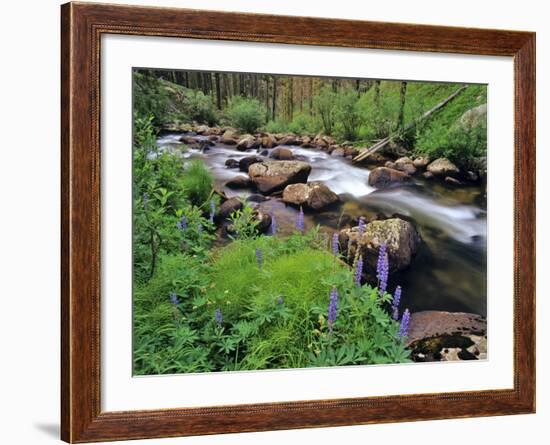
(174, 299)
(382, 269)
(145, 199)
(182, 225)
(359, 271)
(404, 326)
(218, 316)
(273, 227)
(199, 229)
(300, 221)
(212, 210)
(395, 303)
(280, 301)
(259, 257)
(335, 244)
(332, 307)
(361, 228)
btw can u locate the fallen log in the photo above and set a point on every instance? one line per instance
(383, 142)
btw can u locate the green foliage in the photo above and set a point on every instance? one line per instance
(244, 223)
(324, 105)
(199, 107)
(303, 123)
(246, 114)
(348, 114)
(273, 316)
(197, 182)
(276, 126)
(151, 99)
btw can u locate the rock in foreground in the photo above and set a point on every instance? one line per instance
(443, 167)
(314, 195)
(272, 176)
(382, 177)
(400, 236)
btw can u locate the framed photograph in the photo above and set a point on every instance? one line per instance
(275, 222)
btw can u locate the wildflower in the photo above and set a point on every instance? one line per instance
(218, 316)
(332, 307)
(199, 229)
(359, 271)
(361, 228)
(404, 326)
(259, 257)
(273, 227)
(395, 302)
(280, 301)
(182, 225)
(335, 244)
(382, 269)
(145, 199)
(300, 221)
(212, 210)
(174, 299)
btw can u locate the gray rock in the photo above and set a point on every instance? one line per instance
(382, 177)
(272, 176)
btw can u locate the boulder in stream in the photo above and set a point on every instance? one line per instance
(382, 177)
(230, 138)
(401, 238)
(238, 182)
(247, 161)
(442, 167)
(232, 163)
(282, 154)
(272, 176)
(405, 165)
(268, 141)
(314, 195)
(228, 207)
(247, 142)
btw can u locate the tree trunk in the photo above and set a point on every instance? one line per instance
(274, 101)
(377, 93)
(218, 91)
(401, 116)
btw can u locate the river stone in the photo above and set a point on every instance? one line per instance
(443, 167)
(246, 162)
(238, 182)
(289, 140)
(282, 154)
(452, 181)
(202, 129)
(247, 142)
(230, 138)
(228, 207)
(400, 236)
(382, 177)
(405, 165)
(232, 163)
(268, 141)
(314, 195)
(272, 176)
(337, 152)
(421, 163)
(187, 139)
(427, 324)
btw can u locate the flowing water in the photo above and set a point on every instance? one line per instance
(449, 270)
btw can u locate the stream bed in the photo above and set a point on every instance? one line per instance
(449, 271)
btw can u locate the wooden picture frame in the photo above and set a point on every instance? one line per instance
(82, 26)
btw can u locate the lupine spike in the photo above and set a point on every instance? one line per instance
(259, 258)
(273, 227)
(332, 307)
(212, 210)
(174, 299)
(280, 300)
(361, 228)
(404, 326)
(300, 221)
(359, 271)
(395, 303)
(218, 317)
(335, 244)
(382, 269)
(199, 229)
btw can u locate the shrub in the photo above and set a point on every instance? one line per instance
(348, 114)
(246, 114)
(200, 107)
(277, 126)
(303, 123)
(197, 182)
(324, 104)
